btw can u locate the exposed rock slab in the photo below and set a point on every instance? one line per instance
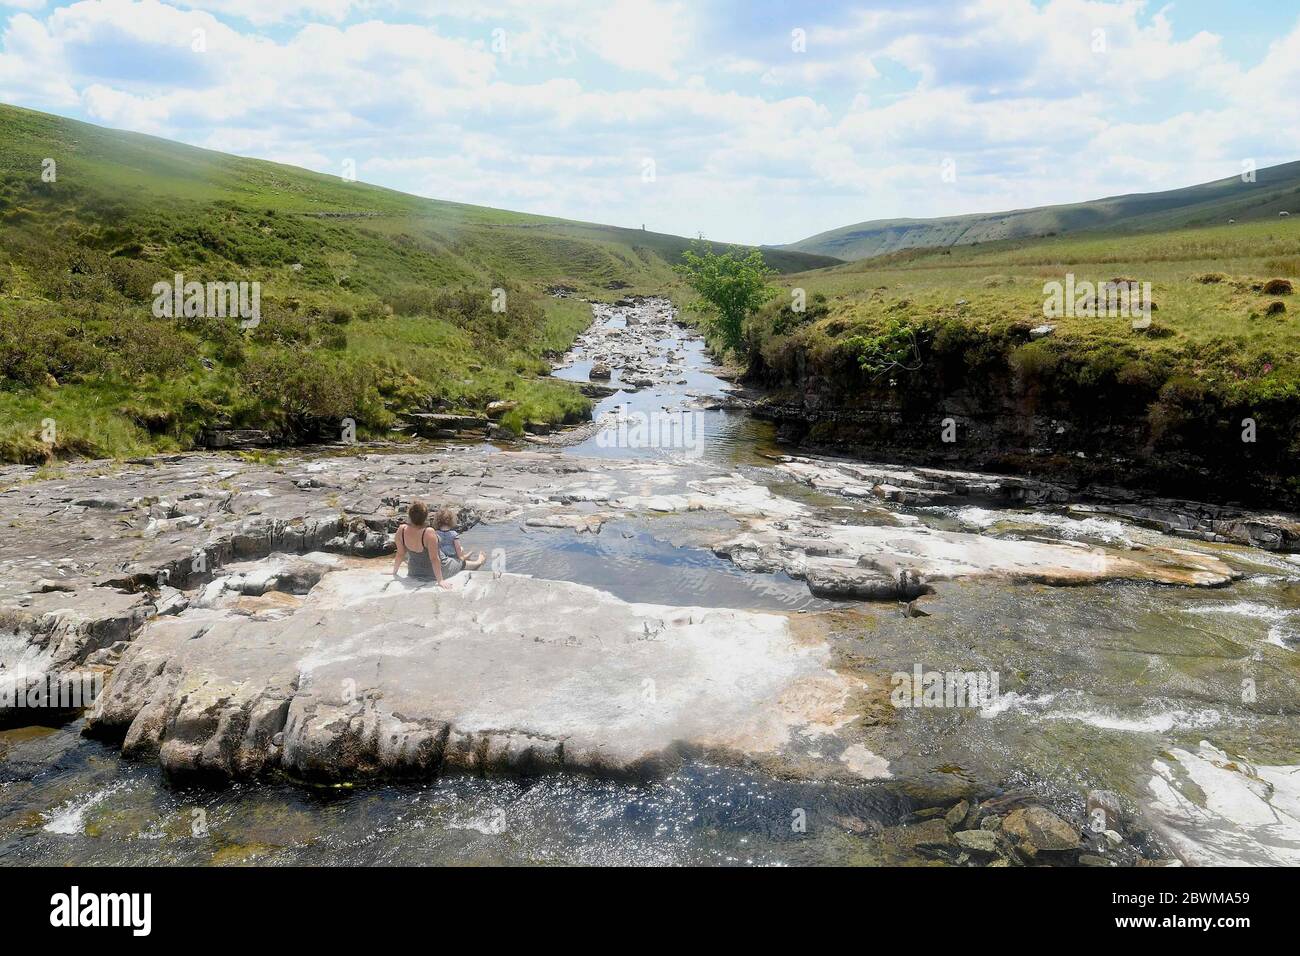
(937, 486)
(1215, 810)
(919, 485)
(371, 676)
(839, 559)
(95, 551)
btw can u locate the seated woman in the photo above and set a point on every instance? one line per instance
(417, 544)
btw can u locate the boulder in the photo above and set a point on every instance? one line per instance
(849, 582)
(577, 522)
(956, 815)
(593, 390)
(928, 837)
(977, 841)
(1040, 829)
(1103, 807)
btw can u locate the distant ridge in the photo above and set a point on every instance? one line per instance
(1275, 189)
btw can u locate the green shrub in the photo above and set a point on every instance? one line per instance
(895, 348)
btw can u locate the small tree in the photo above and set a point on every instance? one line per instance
(731, 287)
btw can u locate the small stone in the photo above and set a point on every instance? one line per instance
(1041, 829)
(977, 841)
(957, 815)
(929, 835)
(1088, 859)
(852, 824)
(1103, 806)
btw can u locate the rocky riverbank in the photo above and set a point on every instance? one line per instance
(1092, 443)
(153, 538)
(936, 486)
(238, 613)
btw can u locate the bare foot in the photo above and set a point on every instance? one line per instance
(473, 564)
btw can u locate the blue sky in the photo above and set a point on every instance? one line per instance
(749, 121)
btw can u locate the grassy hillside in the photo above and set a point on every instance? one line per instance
(1224, 345)
(1275, 189)
(373, 302)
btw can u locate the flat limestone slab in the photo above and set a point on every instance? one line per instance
(373, 676)
(1218, 810)
(925, 555)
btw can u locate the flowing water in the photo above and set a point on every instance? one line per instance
(1102, 687)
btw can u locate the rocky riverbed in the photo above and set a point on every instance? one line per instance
(654, 608)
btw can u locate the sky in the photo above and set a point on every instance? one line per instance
(742, 120)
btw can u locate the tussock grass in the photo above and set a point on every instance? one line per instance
(1211, 288)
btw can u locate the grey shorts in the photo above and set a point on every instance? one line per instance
(451, 566)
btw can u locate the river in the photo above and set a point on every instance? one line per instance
(1163, 695)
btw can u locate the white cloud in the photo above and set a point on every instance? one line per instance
(642, 35)
(31, 66)
(751, 140)
(262, 12)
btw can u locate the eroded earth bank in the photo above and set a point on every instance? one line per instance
(686, 646)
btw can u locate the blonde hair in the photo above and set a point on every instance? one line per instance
(418, 512)
(445, 518)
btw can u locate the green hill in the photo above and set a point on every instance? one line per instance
(1275, 189)
(373, 302)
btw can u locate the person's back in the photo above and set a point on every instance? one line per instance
(413, 540)
(447, 541)
(419, 563)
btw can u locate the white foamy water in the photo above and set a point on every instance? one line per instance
(1011, 701)
(17, 652)
(20, 660)
(1281, 631)
(1156, 721)
(489, 824)
(71, 817)
(1161, 722)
